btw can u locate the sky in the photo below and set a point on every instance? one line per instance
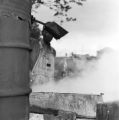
(97, 27)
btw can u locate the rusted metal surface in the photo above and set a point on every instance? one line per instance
(79, 104)
(14, 59)
(108, 111)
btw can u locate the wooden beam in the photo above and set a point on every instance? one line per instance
(38, 110)
(51, 103)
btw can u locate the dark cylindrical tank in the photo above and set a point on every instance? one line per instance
(14, 59)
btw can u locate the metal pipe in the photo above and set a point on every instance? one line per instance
(14, 59)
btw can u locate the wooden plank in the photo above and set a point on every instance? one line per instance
(57, 114)
(80, 104)
(108, 111)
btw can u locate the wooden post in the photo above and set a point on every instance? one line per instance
(108, 111)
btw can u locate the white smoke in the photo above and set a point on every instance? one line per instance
(103, 77)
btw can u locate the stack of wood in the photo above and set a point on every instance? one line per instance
(64, 106)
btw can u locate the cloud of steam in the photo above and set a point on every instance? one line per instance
(100, 75)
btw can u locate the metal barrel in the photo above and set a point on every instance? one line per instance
(14, 59)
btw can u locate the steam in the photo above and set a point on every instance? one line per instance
(99, 74)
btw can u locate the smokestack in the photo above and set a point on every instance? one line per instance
(14, 59)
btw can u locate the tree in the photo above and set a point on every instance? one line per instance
(60, 7)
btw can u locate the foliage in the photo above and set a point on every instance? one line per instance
(60, 7)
